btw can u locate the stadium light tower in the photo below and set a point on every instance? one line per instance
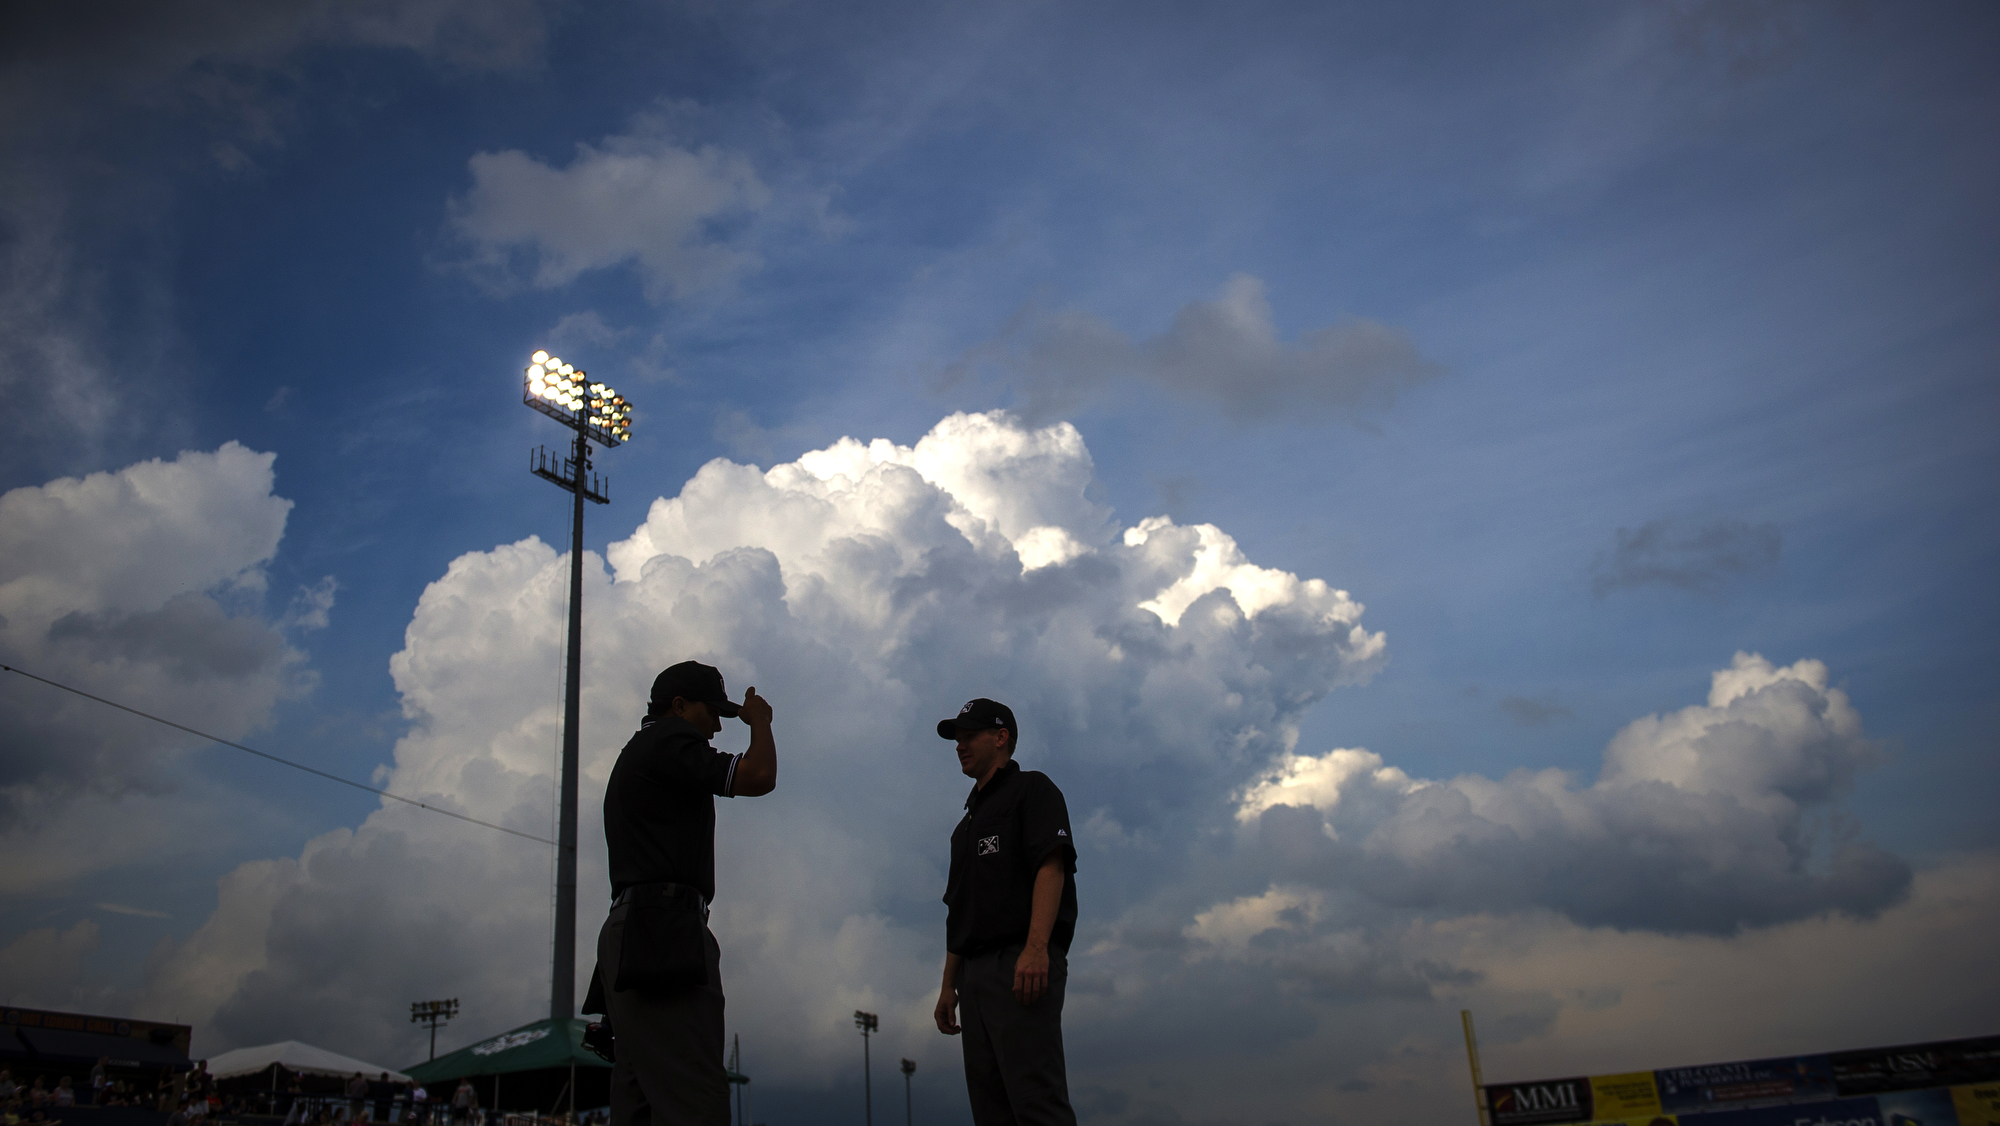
(867, 1023)
(598, 414)
(433, 1013)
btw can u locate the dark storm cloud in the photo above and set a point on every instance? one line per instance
(90, 94)
(1533, 711)
(1685, 555)
(1224, 352)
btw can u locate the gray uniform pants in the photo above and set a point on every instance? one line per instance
(1013, 1055)
(669, 1067)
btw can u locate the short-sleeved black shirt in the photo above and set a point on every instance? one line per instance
(659, 807)
(1010, 827)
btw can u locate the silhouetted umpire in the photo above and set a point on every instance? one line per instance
(1011, 897)
(657, 963)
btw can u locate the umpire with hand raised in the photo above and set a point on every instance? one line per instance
(657, 964)
(1011, 900)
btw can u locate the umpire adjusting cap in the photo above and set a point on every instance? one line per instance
(694, 682)
(980, 715)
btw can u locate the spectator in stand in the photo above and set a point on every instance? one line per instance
(357, 1098)
(420, 1104)
(463, 1102)
(65, 1094)
(100, 1074)
(295, 1103)
(38, 1095)
(7, 1087)
(12, 1113)
(382, 1093)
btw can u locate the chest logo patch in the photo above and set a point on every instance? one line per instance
(989, 845)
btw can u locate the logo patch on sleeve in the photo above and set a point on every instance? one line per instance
(989, 845)
(1062, 832)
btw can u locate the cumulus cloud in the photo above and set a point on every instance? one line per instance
(865, 587)
(1248, 907)
(1701, 820)
(1319, 1010)
(43, 966)
(1685, 555)
(146, 584)
(634, 199)
(1226, 352)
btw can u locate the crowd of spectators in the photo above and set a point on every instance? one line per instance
(191, 1098)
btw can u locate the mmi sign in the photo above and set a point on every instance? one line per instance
(1549, 1100)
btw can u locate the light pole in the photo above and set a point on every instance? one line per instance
(909, 1069)
(597, 414)
(433, 1013)
(867, 1023)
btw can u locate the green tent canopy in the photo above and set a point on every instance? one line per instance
(530, 1047)
(544, 1064)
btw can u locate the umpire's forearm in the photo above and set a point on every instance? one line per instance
(952, 964)
(1047, 900)
(757, 774)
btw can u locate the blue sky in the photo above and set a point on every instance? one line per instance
(1682, 321)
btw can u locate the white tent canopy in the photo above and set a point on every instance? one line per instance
(295, 1057)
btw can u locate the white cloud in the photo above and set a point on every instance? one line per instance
(1226, 351)
(145, 585)
(1701, 820)
(1318, 1010)
(637, 199)
(869, 588)
(43, 967)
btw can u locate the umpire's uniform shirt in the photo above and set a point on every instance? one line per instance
(659, 828)
(1013, 1054)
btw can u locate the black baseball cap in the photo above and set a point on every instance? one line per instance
(694, 682)
(980, 715)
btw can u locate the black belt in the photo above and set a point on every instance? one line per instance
(666, 890)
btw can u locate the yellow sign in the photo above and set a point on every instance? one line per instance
(1978, 1104)
(1631, 1095)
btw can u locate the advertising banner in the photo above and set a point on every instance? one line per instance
(1632, 1095)
(1751, 1083)
(1647, 1120)
(1944, 1063)
(1543, 1101)
(1977, 1104)
(1915, 1108)
(1831, 1112)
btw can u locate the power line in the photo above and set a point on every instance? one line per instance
(272, 757)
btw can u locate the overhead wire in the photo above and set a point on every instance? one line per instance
(275, 758)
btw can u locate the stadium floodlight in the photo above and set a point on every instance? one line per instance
(867, 1023)
(433, 1013)
(597, 413)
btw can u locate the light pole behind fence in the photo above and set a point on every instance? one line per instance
(909, 1069)
(432, 1013)
(867, 1023)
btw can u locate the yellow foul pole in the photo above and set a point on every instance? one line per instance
(1472, 1057)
